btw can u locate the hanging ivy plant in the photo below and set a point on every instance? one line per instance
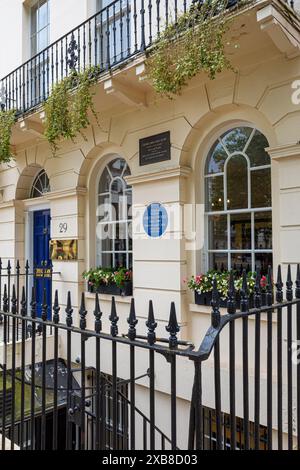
(193, 44)
(7, 120)
(68, 105)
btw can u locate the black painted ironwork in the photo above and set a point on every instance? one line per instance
(84, 395)
(106, 40)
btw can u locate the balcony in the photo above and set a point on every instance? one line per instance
(108, 40)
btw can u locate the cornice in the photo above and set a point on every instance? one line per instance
(166, 173)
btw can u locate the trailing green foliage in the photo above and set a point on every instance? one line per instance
(7, 120)
(193, 44)
(68, 105)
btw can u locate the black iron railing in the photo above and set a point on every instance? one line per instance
(72, 398)
(111, 37)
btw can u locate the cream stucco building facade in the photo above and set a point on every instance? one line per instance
(261, 94)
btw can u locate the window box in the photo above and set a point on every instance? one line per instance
(206, 298)
(112, 289)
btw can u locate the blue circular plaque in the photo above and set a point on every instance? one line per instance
(155, 220)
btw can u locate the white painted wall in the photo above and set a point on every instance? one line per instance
(15, 27)
(11, 17)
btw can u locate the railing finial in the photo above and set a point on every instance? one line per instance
(231, 305)
(132, 322)
(56, 308)
(97, 315)
(113, 318)
(279, 286)
(297, 290)
(289, 284)
(151, 324)
(173, 327)
(14, 301)
(69, 311)
(244, 294)
(44, 306)
(215, 303)
(257, 290)
(23, 303)
(82, 312)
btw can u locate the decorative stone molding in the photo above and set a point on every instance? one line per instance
(285, 37)
(166, 173)
(284, 151)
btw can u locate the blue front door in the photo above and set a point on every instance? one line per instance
(41, 260)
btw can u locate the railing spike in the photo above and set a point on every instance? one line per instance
(289, 284)
(215, 303)
(297, 290)
(244, 294)
(23, 303)
(279, 286)
(44, 315)
(14, 300)
(97, 315)
(82, 312)
(56, 308)
(33, 303)
(113, 318)
(69, 311)
(151, 324)
(132, 321)
(269, 286)
(231, 305)
(173, 327)
(257, 290)
(5, 299)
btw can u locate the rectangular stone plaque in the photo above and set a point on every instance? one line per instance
(156, 148)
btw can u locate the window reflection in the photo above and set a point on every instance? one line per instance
(240, 193)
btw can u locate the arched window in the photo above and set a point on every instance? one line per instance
(41, 185)
(238, 201)
(114, 241)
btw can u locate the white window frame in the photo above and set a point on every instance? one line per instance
(126, 220)
(227, 212)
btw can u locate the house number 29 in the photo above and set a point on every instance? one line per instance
(63, 227)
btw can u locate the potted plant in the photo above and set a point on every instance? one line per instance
(110, 281)
(202, 285)
(123, 279)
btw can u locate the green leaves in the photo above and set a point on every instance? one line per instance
(68, 106)
(193, 44)
(7, 120)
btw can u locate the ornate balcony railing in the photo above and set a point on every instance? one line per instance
(111, 37)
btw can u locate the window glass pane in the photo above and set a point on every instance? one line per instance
(106, 242)
(106, 260)
(263, 230)
(33, 20)
(216, 159)
(240, 231)
(42, 39)
(218, 232)
(237, 183)
(263, 261)
(104, 182)
(241, 261)
(130, 236)
(215, 193)
(120, 259)
(235, 140)
(117, 166)
(218, 261)
(261, 188)
(121, 237)
(256, 150)
(43, 15)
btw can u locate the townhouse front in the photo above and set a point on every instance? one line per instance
(209, 178)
